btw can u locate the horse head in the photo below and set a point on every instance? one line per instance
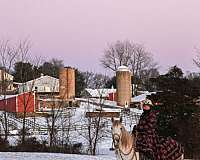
(117, 129)
(123, 141)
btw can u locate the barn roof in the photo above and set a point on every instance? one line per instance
(141, 97)
(2, 97)
(42, 84)
(104, 92)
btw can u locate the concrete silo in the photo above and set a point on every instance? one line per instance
(123, 86)
(67, 83)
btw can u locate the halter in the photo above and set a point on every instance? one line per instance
(120, 151)
(115, 135)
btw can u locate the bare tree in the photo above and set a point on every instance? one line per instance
(94, 80)
(58, 122)
(24, 48)
(147, 76)
(141, 60)
(51, 67)
(24, 57)
(58, 118)
(8, 55)
(196, 60)
(52, 118)
(96, 131)
(117, 54)
(131, 55)
(56, 62)
(88, 77)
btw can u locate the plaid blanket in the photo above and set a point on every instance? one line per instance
(151, 144)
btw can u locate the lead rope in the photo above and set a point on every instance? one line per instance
(120, 153)
(134, 145)
(133, 148)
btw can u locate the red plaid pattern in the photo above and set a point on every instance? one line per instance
(153, 145)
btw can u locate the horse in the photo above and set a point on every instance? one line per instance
(124, 143)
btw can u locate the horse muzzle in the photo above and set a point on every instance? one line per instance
(116, 145)
(116, 140)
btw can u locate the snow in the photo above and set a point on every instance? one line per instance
(141, 97)
(51, 156)
(100, 92)
(43, 84)
(104, 102)
(77, 121)
(123, 68)
(2, 97)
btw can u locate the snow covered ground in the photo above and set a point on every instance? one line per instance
(51, 156)
(76, 135)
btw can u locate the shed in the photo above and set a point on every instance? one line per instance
(18, 103)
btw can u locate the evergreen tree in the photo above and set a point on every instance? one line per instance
(111, 83)
(179, 114)
(51, 68)
(80, 82)
(23, 72)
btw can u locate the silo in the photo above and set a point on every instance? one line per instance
(123, 86)
(67, 83)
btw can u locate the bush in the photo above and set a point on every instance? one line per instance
(31, 145)
(4, 145)
(73, 148)
(67, 148)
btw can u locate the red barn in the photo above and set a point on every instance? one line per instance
(18, 103)
(112, 96)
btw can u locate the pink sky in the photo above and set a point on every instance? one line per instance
(78, 31)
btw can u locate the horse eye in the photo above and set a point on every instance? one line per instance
(121, 128)
(111, 128)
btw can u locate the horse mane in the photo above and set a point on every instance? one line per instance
(126, 138)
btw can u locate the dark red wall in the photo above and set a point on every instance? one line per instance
(112, 97)
(25, 101)
(8, 104)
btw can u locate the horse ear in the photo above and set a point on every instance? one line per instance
(120, 119)
(112, 119)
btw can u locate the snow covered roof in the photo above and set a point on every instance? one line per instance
(17, 83)
(6, 75)
(123, 68)
(42, 84)
(51, 99)
(100, 92)
(7, 96)
(2, 97)
(42, 78)
(141, 97)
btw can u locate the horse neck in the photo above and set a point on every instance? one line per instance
(126, 141)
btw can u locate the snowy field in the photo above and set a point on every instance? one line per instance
(50, 156)
(75, 135)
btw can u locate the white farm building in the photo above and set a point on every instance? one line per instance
(43, 84)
